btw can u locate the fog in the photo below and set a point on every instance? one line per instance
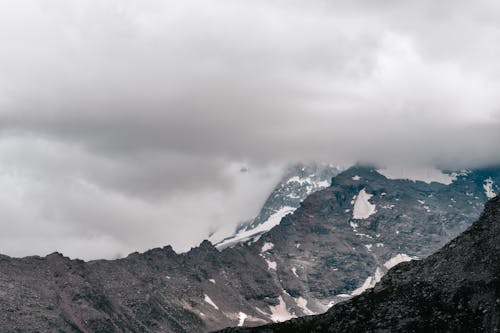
(124, 124)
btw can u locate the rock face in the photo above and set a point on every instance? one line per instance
(457, 289)
(317, 256)
(299, 181)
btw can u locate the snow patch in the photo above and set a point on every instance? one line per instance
(245, 235)
(280, 312)
(267, 246)
(271, 264)
(242, 316)
(209, 301)
(212, 280)
(354, 226)
(488, 188)
(297, 179)
(399, 258)
(356, 177)
(294, 271)
(323, 184)
(369, 282)
(302, 303)
(362, 207)
(423, 174)
(309, 181)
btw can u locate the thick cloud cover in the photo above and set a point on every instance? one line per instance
(124, 124)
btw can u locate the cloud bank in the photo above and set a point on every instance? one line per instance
(124, 124)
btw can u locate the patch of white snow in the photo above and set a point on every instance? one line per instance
(369, 282)
(209, 301)
(400, 257)
(362, 207)
(242, 316)
(271, 264)
(302, 303)
(267, 246)
(323, 184)
(245, 235)
(488, 188)
(280, 312)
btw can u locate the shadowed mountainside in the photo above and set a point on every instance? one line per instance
(457, 289)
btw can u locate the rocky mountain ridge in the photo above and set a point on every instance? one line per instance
(454, 290)
(321, 254)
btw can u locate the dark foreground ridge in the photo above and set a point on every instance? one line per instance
(457, 289)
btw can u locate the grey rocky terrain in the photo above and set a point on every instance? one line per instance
(339, 242)
(457, 289)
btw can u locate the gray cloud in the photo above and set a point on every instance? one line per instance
(123, 125)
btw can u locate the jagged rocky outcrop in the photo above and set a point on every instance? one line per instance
(315, 257)
(457, 289)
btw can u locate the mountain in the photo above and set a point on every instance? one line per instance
(339, 242)
(457, 289)
(297, 183)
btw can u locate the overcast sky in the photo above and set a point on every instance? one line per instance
(124, 124)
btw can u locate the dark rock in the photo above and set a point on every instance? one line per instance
(454, 290)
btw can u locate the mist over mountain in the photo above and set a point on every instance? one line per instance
(123, 121)
(186, 166)
(338, 243)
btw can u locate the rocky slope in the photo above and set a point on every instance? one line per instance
(457, 289)
(297, 183)
(336, 244)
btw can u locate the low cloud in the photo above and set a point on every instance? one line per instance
(123, 126)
